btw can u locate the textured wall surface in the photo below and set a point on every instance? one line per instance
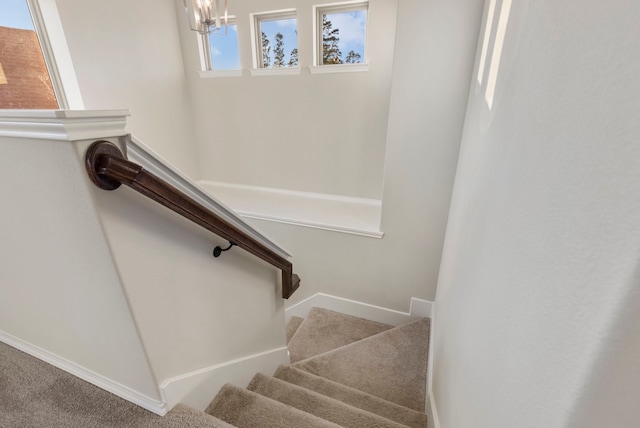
(537, 301)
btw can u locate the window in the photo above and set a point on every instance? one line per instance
(222, 48)
(275, 40)
(340, 33)
(24, 78)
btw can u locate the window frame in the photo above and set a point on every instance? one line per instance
(57, 57)
(205, 51)
(256, 40)
(332, 8)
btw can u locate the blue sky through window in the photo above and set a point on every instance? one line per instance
(287, 27)
(353, 30)
(224, 49)
(15, 14)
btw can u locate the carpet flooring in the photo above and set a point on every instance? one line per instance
(345, 372)
(35, 394)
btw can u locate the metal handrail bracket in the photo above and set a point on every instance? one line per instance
(108, 169)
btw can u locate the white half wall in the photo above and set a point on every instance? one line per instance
(115, 288)
(198, 388)
(60, 293)
(193, 311)
(537, 302)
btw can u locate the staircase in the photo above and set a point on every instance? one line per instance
(345, 372)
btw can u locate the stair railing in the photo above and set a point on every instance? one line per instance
(108, 168)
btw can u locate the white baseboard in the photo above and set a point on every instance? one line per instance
(419, 308)
(434, 412)
(151, 404)
(197, 388)
(431, 400)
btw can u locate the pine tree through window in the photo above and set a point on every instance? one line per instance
(275, 39)
(341, 33)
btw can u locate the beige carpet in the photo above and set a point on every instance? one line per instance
(360, 374)
(323, 330)
(357, 373)
(317, 404)
(391, 365)
(246, 409)
(352, 396)
(35, 394)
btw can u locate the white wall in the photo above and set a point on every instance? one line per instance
(428, 98)
(193, 310)
(113, 285)
(317, 133)
(127, 54)
(435, 43)
(408, 150)
(59, 289)
(537, 299)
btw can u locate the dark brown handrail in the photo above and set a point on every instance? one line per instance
(108, 169)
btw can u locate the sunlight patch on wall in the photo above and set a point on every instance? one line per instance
(497, 52)
(485, 42)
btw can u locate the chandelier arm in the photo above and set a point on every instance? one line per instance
(217, 8)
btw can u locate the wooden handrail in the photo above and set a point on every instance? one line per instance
(108, 169)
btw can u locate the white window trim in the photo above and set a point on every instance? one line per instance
(322, 9)
(207, 74)
(205, 52)
(256, 39)
(206, 64)
(276, 71)
(55, 51)
(339, 68)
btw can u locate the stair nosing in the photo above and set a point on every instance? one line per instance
(378, 420)
(413, 416)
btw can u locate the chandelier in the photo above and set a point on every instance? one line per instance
(207, 16)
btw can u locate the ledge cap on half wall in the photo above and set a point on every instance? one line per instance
(63, 125)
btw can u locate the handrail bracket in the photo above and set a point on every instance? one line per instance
(219, 250)
(108, 168)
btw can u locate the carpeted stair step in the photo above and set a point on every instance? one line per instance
(323, 330)
(391, 365)
(247, 409)
(292, 326)
(317, 404)
(353, 397)
(185, 416)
